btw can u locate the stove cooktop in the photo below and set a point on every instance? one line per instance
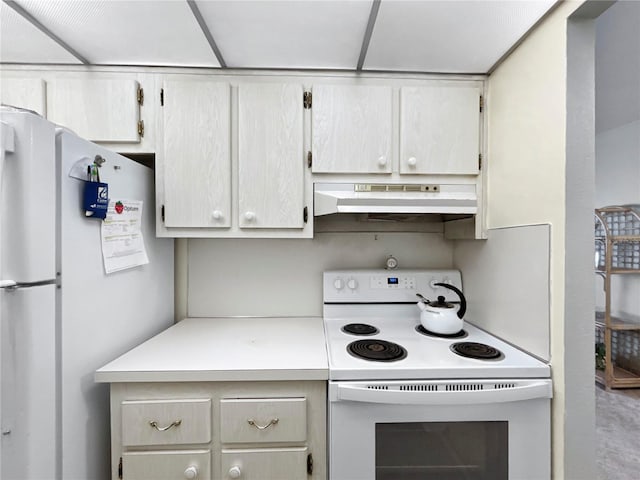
(426, 357)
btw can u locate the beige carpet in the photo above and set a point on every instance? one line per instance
(618, 434)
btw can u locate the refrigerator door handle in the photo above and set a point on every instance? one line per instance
(13, 285)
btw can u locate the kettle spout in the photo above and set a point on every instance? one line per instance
(421, 306)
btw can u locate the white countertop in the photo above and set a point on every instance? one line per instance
(226, 349)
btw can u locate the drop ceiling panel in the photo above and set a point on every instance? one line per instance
(466, 36)
(21, 42)
(288, 34)
(128, 32)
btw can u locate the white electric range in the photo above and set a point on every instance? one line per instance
(413, 406)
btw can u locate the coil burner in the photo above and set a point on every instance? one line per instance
(377, 350)
(461, 334)
(360, 329)
(478, 351)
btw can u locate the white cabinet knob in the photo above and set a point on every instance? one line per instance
(191, 472)
(217, 214)
(382, 161)
(352, 284)
(234, 472)
(249, 216)
(338, 284)
(413, 161)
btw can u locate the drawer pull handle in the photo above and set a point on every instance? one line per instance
(273, 421)
(154, 424)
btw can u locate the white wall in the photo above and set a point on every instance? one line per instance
(506, 283)
(265, 277)
(535, 116)
(618, 133)
(618, 66)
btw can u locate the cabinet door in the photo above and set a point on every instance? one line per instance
(264, 464)
(439, 129)
(270, 156)
(26, 93)
(195, 157)
(100, 110)
(352, 129)
(167, 465)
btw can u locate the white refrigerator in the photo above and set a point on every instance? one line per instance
(61, 315)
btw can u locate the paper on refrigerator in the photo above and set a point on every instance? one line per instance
(121, 231)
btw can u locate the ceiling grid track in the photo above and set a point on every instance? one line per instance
(367, 33)
(207, 33)
(31, 19)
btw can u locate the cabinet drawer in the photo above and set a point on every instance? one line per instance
(256, 420)
(264, 464)
(167, 465)
(166, 422)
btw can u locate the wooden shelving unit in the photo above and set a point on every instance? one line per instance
(617, 252)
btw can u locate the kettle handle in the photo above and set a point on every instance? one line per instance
(463, 301)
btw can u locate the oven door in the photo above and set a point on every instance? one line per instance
(444, 430)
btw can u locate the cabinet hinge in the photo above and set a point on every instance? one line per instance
(162, 97)
(120, 468)
(140, 96)
(306, 100)
(141, 128)
(305, 214)
(310, 464)
(309, 159)
(479, 161)
(481, 103)
(162, 213)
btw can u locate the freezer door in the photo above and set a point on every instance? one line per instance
(27, 200)
(28, 387)
(27, 315)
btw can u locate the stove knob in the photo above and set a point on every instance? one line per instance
(338, 284)
(352, 283)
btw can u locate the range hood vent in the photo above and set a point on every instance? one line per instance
(372, 198)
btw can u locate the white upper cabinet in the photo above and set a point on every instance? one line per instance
(105, 110)
(270, 156)
(352, 129)
(29, 93)
(440, 129)
(194, 162)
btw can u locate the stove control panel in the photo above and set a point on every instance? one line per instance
(388, 285)
(393, 281)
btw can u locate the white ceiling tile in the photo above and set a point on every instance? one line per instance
(21, 42)
(288, 34)
(466, 36)
(127, 32)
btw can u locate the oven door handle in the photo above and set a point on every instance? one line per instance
(523, 391)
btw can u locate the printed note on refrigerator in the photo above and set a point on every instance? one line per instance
(122, 242)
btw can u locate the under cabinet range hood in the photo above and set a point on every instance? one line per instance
(398, 198)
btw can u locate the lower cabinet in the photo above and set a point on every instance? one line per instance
(219, 430)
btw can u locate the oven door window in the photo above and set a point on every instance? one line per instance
(442, 451)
